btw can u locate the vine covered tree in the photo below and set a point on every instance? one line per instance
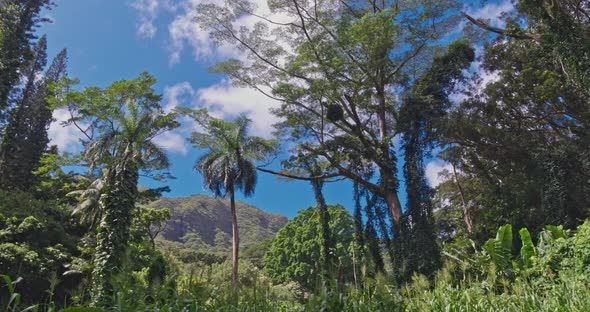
(421, 117)
(121, 122)
(229, 163)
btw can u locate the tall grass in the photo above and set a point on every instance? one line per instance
(558, 279)
(565, 292)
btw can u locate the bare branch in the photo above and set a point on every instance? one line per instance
(482, 25)
(309, 178)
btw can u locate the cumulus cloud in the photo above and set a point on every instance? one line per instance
(67, 138)
(178, 94)
(184, 32)
(433, 171)
(225, 101)
(148, 11)
(173, 142)
(492, 12)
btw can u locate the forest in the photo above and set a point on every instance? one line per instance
(369, 92)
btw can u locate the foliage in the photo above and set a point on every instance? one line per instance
(148, 223)
(37, 241)
(420, 117)
(521, 141)
(294, 251)
(255, 252)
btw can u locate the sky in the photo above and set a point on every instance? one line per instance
(110, 40)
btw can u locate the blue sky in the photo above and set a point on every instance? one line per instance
(109, 40)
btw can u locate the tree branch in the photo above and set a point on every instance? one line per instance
(503, 32)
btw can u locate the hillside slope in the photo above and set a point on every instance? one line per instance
(201, 222)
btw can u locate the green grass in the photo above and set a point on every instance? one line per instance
(565, 292)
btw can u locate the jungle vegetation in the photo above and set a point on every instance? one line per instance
(369, 92)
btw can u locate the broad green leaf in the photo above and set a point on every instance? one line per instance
(527, 251)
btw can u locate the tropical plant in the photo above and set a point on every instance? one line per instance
(122, 121)
(88, 196)
(228, 165)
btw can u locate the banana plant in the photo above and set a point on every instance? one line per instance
(500, 248)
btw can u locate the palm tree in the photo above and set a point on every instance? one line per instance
(228, 165)
(88, 196)
(123, 120)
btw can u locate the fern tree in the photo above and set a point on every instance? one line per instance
(122, 119)
(229, 163)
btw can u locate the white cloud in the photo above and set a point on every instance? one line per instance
(184, 30)
(433, 170)
(173, 142)
(222, 100)
(185, 33)
(67, 138)
(178, 94)
(493, 11)
(225, 101)
(148, 13)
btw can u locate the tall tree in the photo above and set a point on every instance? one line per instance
(229, 163)
(25, 136)
(421, 115)
(122, 120)
(18, 18)
(336, 67)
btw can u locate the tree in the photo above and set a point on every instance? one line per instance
(421, 115)
(521, 143)
(122, 121)
(149, 222)
(25, 137)
(228, 165)
(336, 68)
(305, 166)
(18, 18)
(297, 246)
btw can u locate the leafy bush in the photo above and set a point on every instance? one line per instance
(295, 252)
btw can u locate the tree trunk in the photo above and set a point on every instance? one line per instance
(118, 202)
(394, 206)
(466, 215)
(235, 239)
(325, 226)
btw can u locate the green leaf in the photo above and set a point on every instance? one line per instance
(556, 231)
(500, 248)
(527, 251)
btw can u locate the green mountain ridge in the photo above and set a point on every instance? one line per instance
(201, 222)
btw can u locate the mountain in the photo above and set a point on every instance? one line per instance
(203, 223)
